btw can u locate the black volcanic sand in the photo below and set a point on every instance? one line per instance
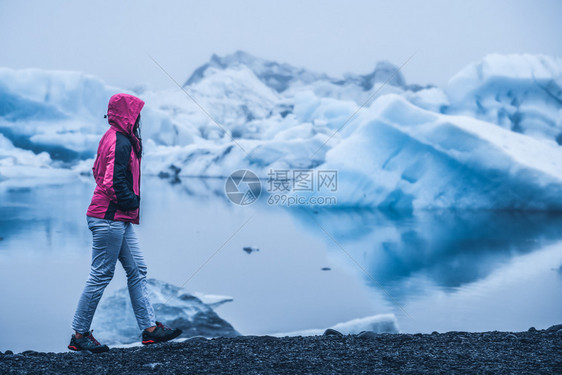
(448, 353)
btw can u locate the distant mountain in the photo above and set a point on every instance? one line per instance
(279, 76)
(384, 71)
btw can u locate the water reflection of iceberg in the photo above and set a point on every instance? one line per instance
(447, 248)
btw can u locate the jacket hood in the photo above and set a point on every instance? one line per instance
(122, 112)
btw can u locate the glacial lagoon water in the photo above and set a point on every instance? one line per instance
(435, 271)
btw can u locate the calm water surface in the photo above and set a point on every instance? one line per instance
(438, 271)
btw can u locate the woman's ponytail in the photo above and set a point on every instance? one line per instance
(137, 135)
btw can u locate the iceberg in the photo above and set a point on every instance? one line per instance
(277, 76)
(116, 324)
(522, 93)
(403, 157)
(287, 79)
(281, 76)
(20, 164)
(53, 111)
(489, 139)
(61, 113)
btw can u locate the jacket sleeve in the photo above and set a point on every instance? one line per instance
(126, 198)
(105, 181)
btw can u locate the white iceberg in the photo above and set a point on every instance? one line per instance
(413, 147)
(61, 113)
(403, 157)
(522, 93)
(18, 166)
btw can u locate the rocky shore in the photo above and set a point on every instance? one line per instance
(533, 351)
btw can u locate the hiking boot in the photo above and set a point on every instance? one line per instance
(160, 334)
(87, 342)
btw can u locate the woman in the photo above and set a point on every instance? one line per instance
(113, 210)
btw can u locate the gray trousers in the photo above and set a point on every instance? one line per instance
(114, 240)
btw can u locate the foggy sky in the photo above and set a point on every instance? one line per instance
(111, 39)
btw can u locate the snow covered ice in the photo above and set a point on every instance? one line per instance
(488, 139)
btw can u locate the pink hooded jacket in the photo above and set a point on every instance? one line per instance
(117, 165)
